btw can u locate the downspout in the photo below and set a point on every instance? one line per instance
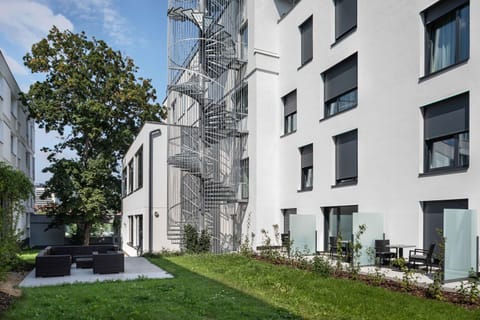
(153, 134)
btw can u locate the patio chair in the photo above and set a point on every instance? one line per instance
(382, 251)
(422, 256)
(332, 243)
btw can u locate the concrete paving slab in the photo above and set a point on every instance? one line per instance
(135, 267)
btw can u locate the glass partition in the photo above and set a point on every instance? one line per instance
(374, 231)
(303, 233)
(460, 232)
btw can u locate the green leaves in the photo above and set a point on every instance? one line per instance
(92, 97)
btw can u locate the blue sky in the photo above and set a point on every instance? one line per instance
(138, 28)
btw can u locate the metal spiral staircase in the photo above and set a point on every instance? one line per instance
(204, 153)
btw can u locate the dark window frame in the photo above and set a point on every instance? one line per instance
(139, 168)
(306, 159)
(341, 34)
(306, 41)
(130, 176)
(450, 10)
(340, 180)
(286, 218)
(289, 116)
(245, 175)
(428, 142)
(337, 71)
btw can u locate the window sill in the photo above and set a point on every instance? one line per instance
(305, 190)
(343, 36)
(441, 71)
(288, 134)
(338, 113)
(345, 184)
(438, 172)
(304, 64)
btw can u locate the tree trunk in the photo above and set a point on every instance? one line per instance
(86, 233)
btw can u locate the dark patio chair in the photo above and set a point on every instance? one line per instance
(382, 251)
(422, 256)
(332, 243)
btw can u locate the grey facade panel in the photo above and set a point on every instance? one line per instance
(307, 156)
(341, 78)
(345, 16)
(446, 117)
(290, 103)
(441, 8)
(346, 155)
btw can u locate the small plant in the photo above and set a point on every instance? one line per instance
(245, 248)
(408, 280)
(377, 278)
(470, 293)
(338, 265)
(321, 266)
(356, 249)
(434, 289)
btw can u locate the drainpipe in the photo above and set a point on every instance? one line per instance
(153, 134)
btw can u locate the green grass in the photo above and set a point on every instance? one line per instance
(228, 287)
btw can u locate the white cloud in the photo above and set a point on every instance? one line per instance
(15, 67)
(113, 23)
(26, 22)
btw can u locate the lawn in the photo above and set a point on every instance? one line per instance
(228, 287)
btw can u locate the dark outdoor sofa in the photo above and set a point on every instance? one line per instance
(56, 260)
(110, 262)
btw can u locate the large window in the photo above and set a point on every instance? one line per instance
(447, 26)
(130, 176)
(130, 230)
(139, 164)
(290, 112)
(13, 144)
(286, 218)
(433, 219)
(446, 133)
(339, 222)
(346, 158)
(345, 17)
(244, 172)
(124, 182)
(306, 154)
(306, 34)
(340, 86)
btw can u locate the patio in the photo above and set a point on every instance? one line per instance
(135, 267)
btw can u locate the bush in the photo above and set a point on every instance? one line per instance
(195, 242)
(321, 266)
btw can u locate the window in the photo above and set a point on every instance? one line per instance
(340, 86)
(306, 34)
(13, 145)
(286, 219)
(130, 230)
(244, 43)
(244, 172)
(306, 154)
(27, 161)
(447, 25)
(124, 182)
(130, 176)
(139, 165)
(241, 102)
(345, 17)
(446, 134)
(290, 112)
(1, 132)
(14, 107)
(433, 219)
(346, 158)
(139, 236)
(338, 222)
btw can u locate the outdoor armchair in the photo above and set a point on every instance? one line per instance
(382, 251)
(422, 256)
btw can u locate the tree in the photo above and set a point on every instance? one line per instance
(93, 99)
(15, 187)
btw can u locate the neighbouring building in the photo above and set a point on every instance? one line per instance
(43, 201)
(17, 137)
(304, 114)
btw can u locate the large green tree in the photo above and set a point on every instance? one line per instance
(93, 98)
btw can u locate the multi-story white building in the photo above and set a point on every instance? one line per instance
(353, 106)
(17, 135)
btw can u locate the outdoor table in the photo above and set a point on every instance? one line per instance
(399, 248)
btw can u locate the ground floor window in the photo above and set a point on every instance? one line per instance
(286, 219)
(433, 220)
(338, 223)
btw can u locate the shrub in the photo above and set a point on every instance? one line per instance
(195, 242)
(321, 266)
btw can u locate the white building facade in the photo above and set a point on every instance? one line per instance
(353, 106)
(17, 136)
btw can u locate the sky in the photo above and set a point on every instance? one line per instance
(137, 28)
